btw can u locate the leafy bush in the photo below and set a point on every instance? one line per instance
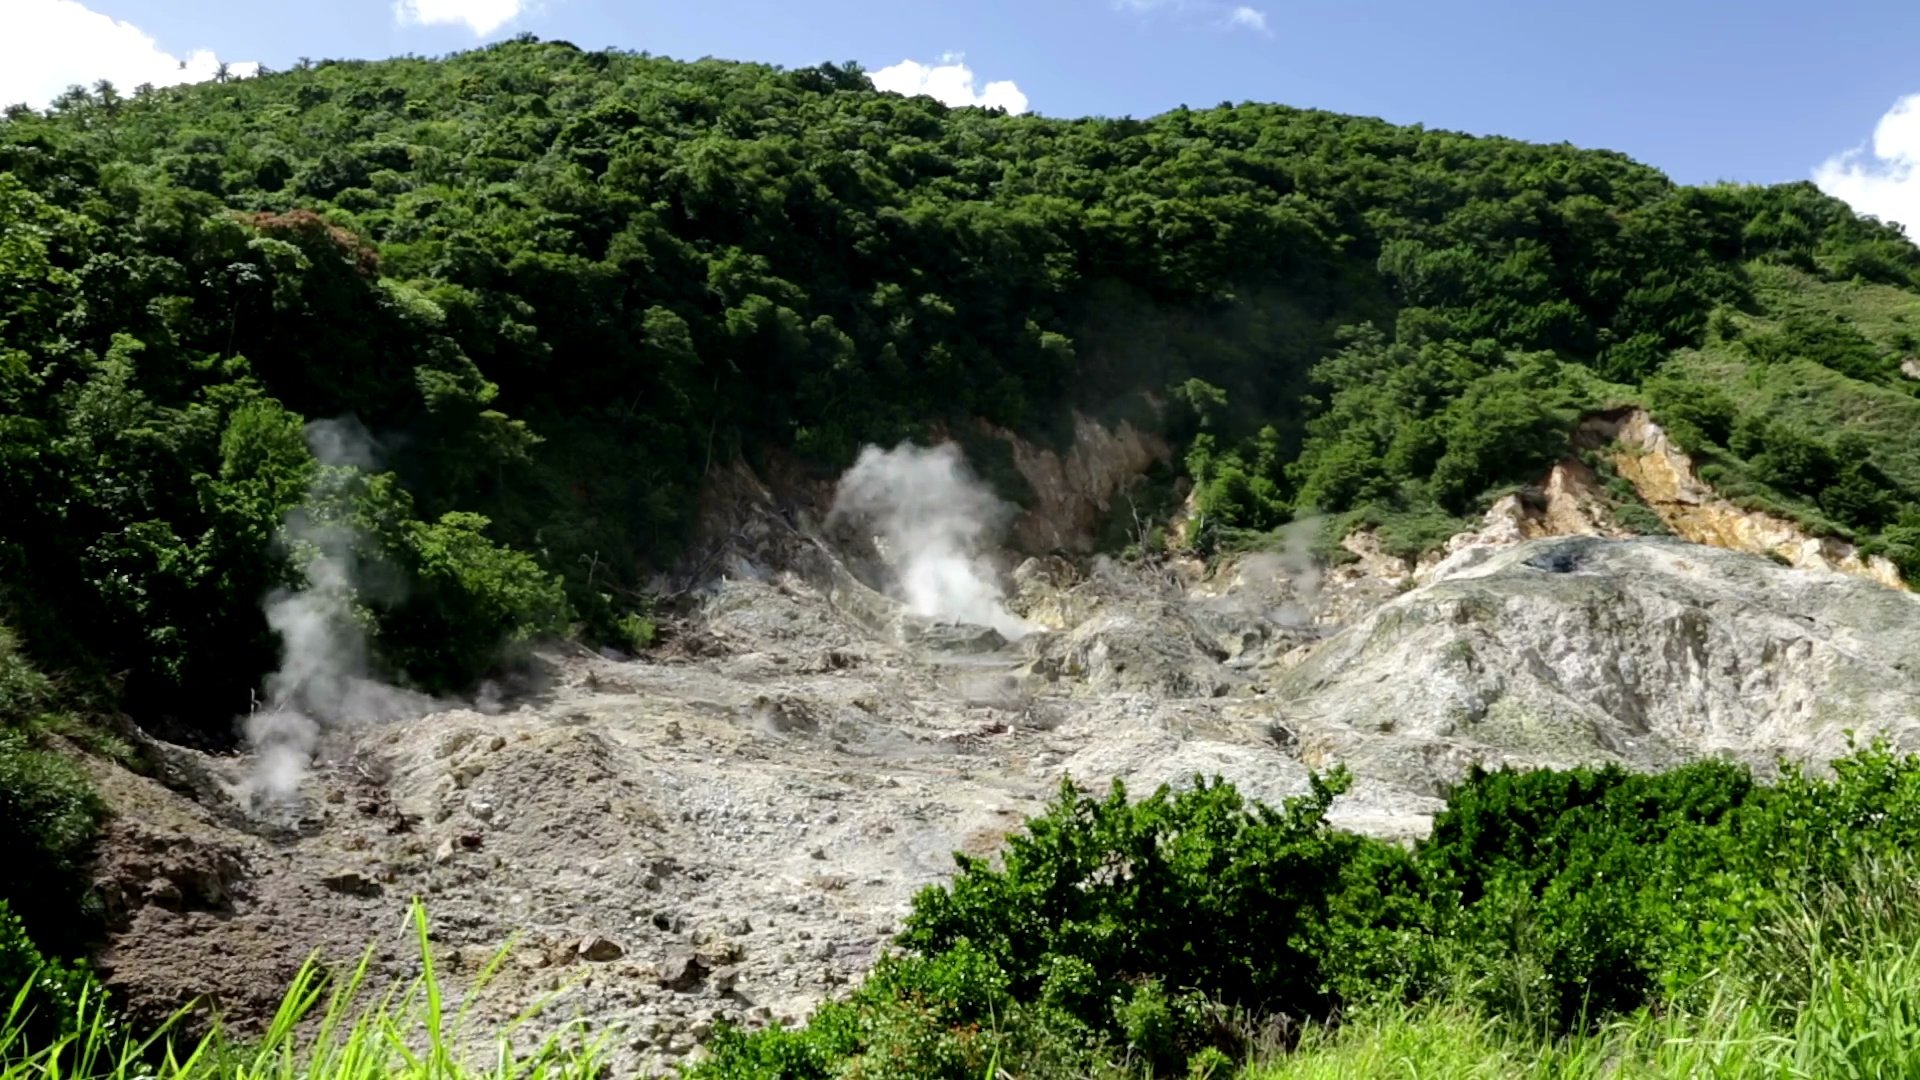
(1823, 987)
(1096, 883)
(1507, 424)
(49, 812)
(48, 817)
(773, 260)
(41, 999)
(1160, 931)
(635, 631)
(1578, 879)
(1839, 476)
(1697, 414)
(1239, 489)
(1120, 925)
(1825, 340)
(470, 599)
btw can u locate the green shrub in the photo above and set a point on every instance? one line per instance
(48, 817)
(1120, 925)
(1161, 932)
(51, 996)
(1404, 533)
(1697, 414)
(470, 601)
(49, 812)
(1839, 477)
(1823, 339)
(1619, 889)
(635, 631)
(1574, 877)
(1241, 489)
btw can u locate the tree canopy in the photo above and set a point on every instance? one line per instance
(560, 286)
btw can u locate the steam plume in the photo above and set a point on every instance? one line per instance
(322, 682)
(1292, 572)
(934, 521)
(1296, 563)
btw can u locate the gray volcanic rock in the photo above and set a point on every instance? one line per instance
(1644, 651)
(730, 829)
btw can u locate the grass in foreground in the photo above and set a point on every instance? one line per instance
(1831, 989)
(327, 1028)
(1167, 937)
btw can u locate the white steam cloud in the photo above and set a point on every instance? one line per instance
(322, 683)
(1281, 585)
(934, 522)
(1295, 565)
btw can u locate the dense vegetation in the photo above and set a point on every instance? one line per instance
(48, 815)
(1187, 930)
(1576, 923)
(559, 286)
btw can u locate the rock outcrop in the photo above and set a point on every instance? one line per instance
(1583, 649)
(729, 829)
(1074, 489)
(1665, 478)
(1570, 501)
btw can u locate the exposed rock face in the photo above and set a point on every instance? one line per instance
(729, 829)
(1073, 491)
(1665, 478)
(1570, 502)
(1567, 503)
(1582, 649)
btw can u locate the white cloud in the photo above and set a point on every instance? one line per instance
(951, 82)
(1883, 180)
(1200, 12)
(49, 45)
(1249, 19)
(482, 17)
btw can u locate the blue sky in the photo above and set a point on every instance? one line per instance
(1761, 91)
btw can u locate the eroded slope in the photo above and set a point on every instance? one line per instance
(731, 828)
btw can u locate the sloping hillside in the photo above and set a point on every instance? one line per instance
(558, 287)
(334, 390)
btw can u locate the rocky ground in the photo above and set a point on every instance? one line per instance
(730, 828)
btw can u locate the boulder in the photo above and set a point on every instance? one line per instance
(599, 950)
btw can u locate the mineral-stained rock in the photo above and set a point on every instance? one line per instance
(948, 637)
(1581, 649)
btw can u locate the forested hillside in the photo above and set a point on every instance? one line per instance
(558, 287)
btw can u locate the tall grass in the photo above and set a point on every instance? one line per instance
(326, 1028)
(1830, 988)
